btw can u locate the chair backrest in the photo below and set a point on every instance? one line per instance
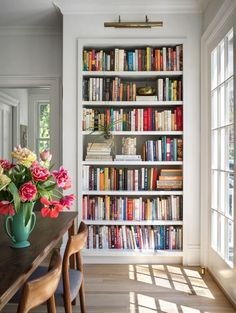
(74, 245)
(40, 290)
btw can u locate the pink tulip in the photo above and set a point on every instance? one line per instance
(39, 173)
(27, 192)
(62, 178)
(45, 156)
(67, 201)
(51, 208)
(6, 208)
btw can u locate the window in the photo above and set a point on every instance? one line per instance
(222, 149)
(43, 138)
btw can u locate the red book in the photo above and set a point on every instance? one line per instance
(130, 209)
(149, 119)
(117, 238)
(154, 180)
(136, 119)
(179, 118)
(145, 120)
(156, 59)
(167, 149)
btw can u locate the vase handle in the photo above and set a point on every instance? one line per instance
(7, 219)
(33, 221)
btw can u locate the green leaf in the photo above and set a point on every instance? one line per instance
(16, 198)
(50, 187)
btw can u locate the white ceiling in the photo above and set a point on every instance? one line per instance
(44, 13)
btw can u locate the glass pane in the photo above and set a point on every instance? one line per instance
(229, 148)
(214, 230)
(214, 191)
(222, 234)
(214, 149)
(230, 196)
(43, 145)
(230, 65)
(214, 68)
(222, 191)
(222, 61)
(230, 242)
(222, 105)
(222, 149)
(214, 109)
(229, 97)
(44, 111)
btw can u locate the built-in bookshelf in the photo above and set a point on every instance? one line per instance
(132, 204)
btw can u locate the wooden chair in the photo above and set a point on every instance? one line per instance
(73, 280)
(40, 290)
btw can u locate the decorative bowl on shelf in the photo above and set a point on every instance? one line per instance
(146, 91)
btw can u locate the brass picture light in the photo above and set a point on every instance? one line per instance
(145, 24)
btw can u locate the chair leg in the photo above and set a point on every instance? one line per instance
(82, 298)
(51, 306)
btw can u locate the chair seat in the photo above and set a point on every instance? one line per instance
(75, 283)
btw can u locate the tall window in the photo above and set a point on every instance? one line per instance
(222, 149)
(43, 140)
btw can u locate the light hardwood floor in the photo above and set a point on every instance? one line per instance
(149, 289)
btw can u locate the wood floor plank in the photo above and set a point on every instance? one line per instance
(148, 289)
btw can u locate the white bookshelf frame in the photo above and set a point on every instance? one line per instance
(117, 255)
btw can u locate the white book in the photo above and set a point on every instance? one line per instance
(160, 89)
(90, 89)
(177, 58)
(121, 60)
(164, 58)
(116, 59)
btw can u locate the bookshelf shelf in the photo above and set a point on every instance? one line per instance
(122, 253)
(146, 222)
(133, 193)
(133, 74)
(136, 133)
(135, 163)
(131, 103)
(95, 110)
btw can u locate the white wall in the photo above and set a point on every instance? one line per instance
(29, 53)
(180, 26)
(210, 12)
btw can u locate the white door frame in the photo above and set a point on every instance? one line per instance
(54, 84)
(217, 29)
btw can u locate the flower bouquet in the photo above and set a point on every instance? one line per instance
(24, 183)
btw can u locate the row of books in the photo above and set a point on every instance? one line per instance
(170, 179)
(163, 149)
(140, 59)
(110, 178)
(110, 208)
(114, 89)
(143, 119)
(135, 237)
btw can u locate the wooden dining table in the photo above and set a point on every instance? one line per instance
(16, 265)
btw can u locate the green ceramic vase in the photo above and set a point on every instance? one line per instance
(19, 226)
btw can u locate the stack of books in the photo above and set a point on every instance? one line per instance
(170, 179)
(98, 151)
(128, 157)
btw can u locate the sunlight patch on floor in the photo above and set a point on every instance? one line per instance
(186, 309)
(168, 307)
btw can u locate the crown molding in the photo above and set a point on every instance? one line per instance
(72, 7)
(29, 30)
